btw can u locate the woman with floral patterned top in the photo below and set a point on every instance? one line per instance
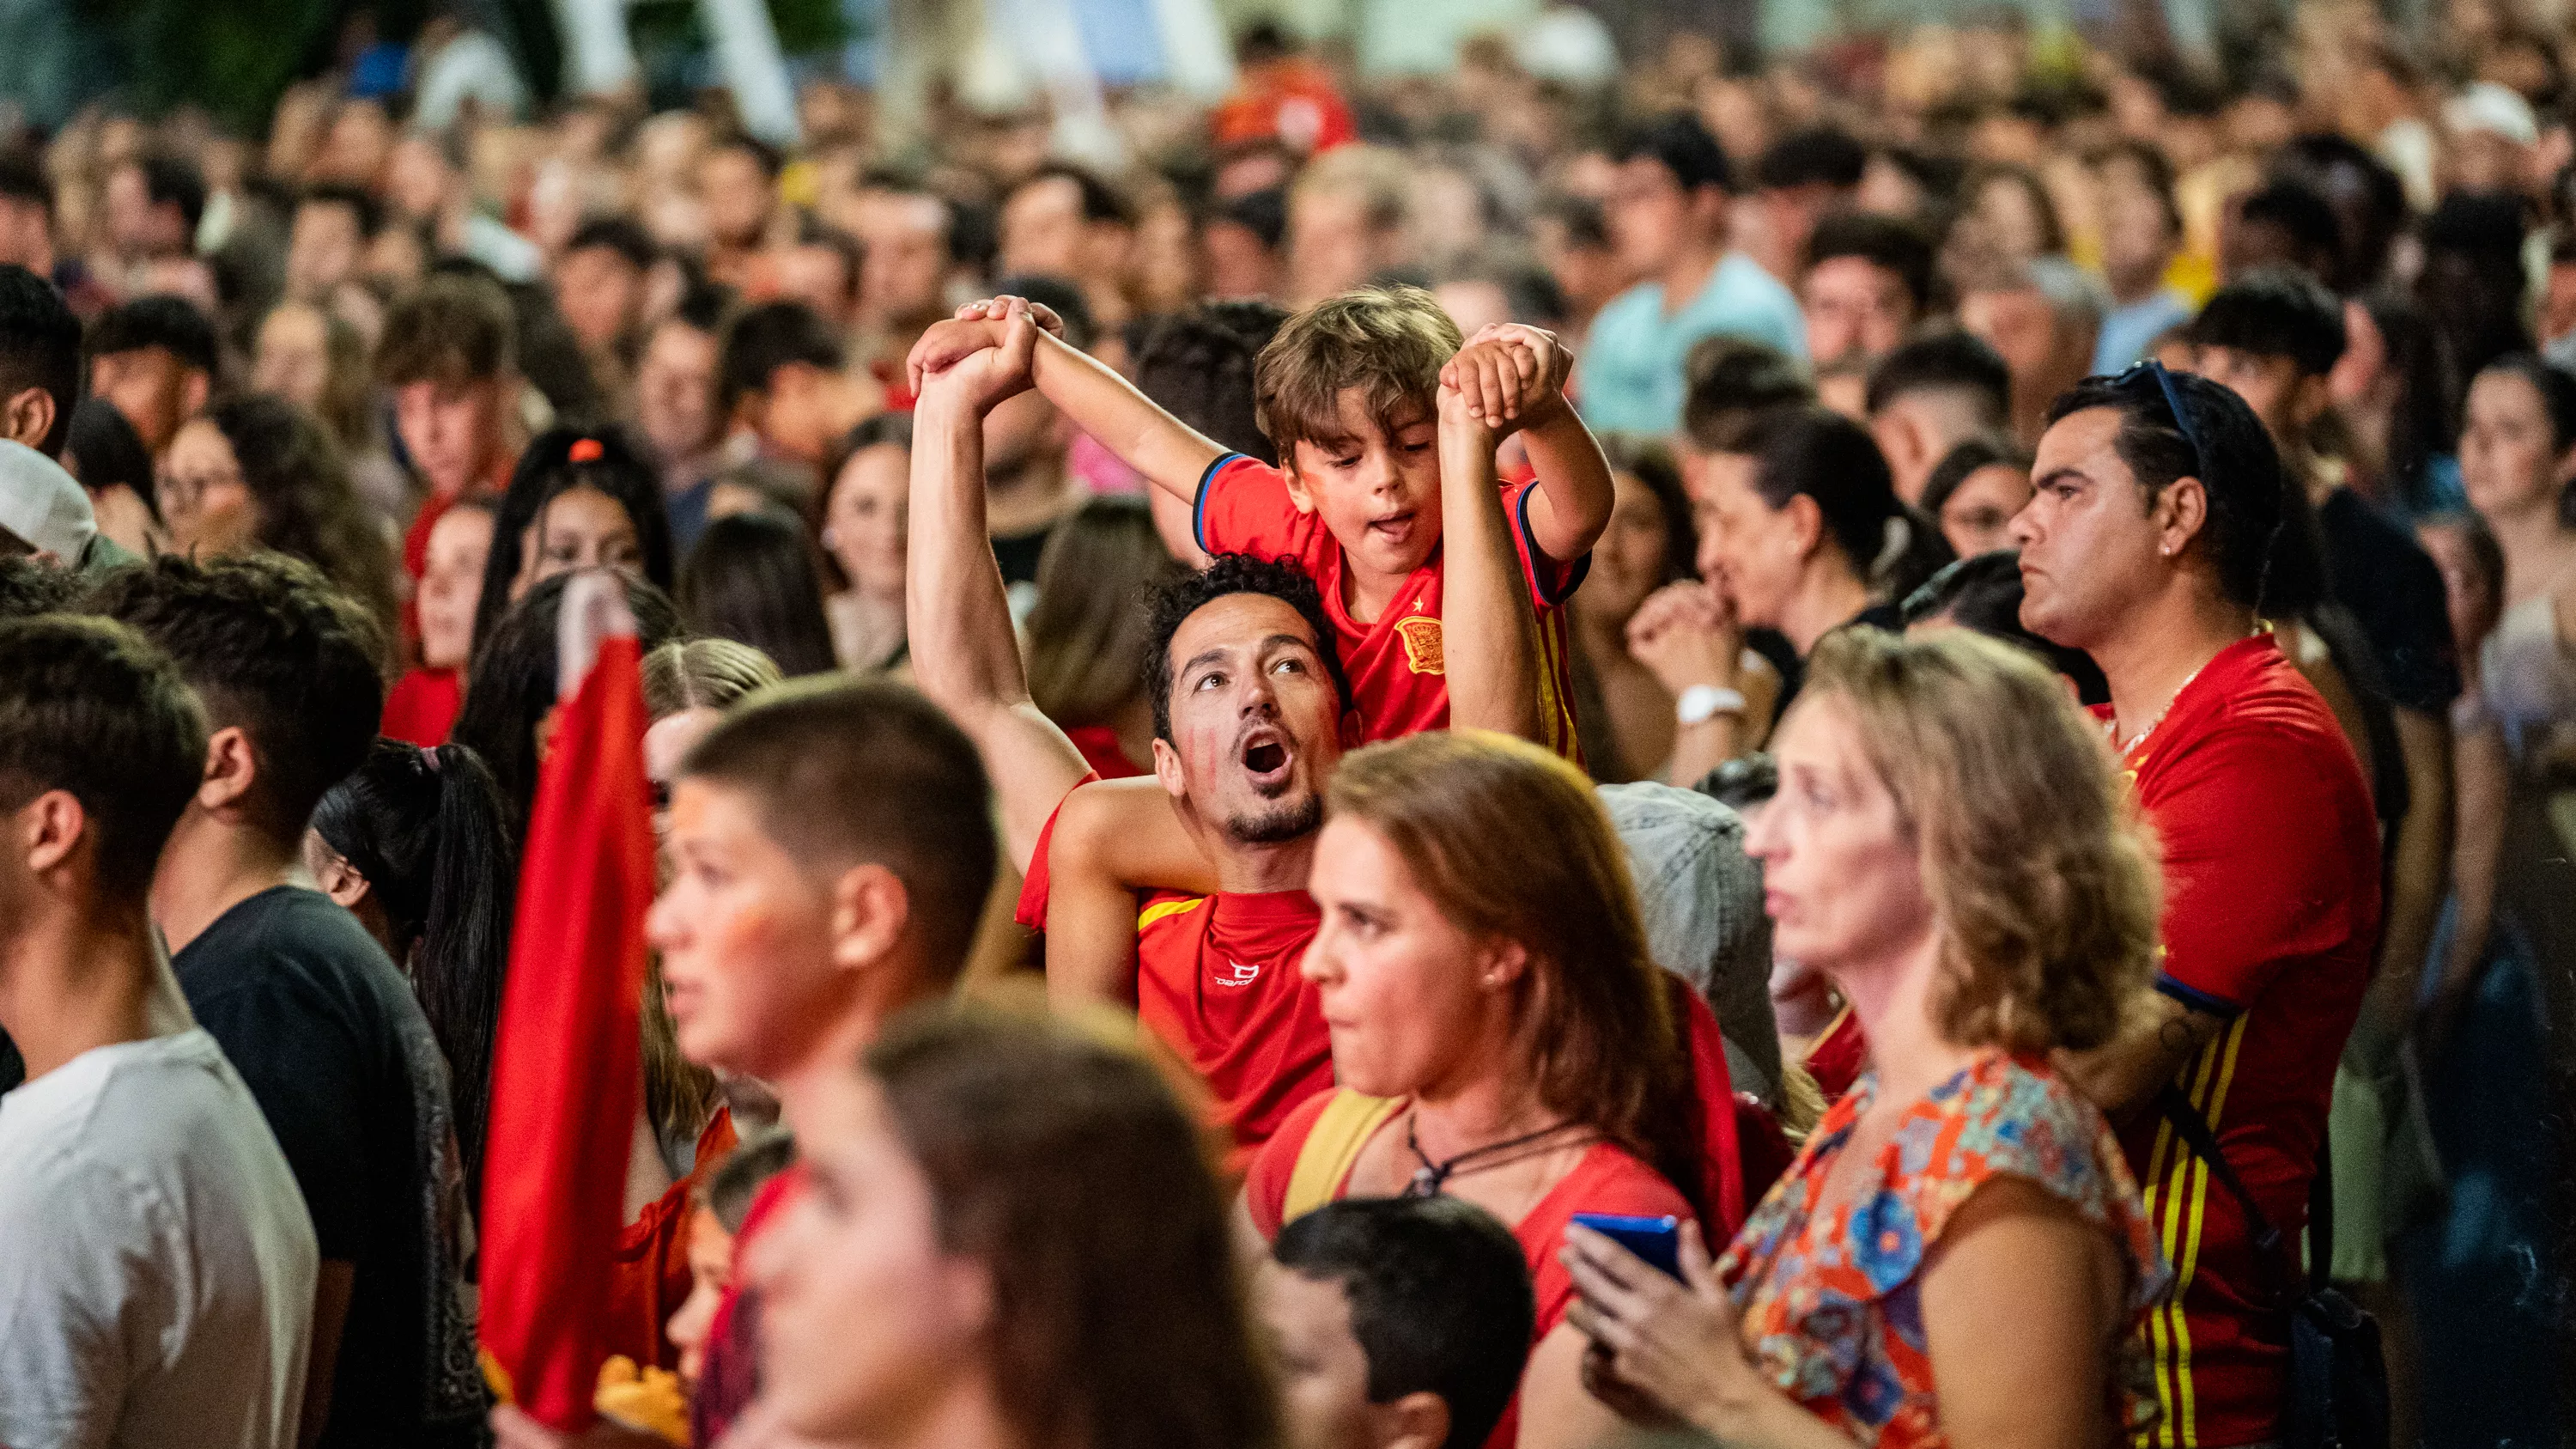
(1959, 1256)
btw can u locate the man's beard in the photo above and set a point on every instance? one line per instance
(1279, 824)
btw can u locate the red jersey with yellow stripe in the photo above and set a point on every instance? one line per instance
(1217, 983)
(2272, 875)
(1394, 663)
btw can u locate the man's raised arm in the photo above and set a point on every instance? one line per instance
(1169, 452)
(965, 656)
(1488, 624)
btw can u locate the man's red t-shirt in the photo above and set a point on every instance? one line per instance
(1609, 1179)
(1217, 983)
(2272, 873)
(1394, 665)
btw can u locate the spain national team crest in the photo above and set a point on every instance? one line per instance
(1421, 636)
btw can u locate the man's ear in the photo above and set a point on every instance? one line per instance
(870, 909)
(2182, 511)
(50, 828)
(193, 392)
(1418, 1420)
(1167, 769)
(232, 768)
(27, 416)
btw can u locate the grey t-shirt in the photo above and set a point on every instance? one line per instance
(156, 1283)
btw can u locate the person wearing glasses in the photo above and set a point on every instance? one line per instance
(2161, 512)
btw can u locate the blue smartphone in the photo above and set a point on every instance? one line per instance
(1657, 1240)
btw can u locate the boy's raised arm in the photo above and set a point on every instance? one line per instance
(1169, 452)
(965, 656)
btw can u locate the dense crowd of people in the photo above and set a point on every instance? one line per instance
(1863, 748)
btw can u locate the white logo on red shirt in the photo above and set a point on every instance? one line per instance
(1238, 973)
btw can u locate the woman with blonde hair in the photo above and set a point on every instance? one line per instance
(1951, 844)
(1500, 1033)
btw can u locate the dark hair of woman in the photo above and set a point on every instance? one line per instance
(428, 831)
(1068, 1169)
(1964, 461)
(512, 683)
(559, 461)
(2556, 388)
(2425, 420)
(104, 450)
(752, 579)
(882, 431)
(299, 481)
(1833, 460)
(1089, 633)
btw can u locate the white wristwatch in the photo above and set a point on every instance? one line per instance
(1703, 702)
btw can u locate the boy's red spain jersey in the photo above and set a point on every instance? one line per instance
(1394, 663)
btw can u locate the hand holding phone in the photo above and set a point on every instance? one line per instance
(1658, 1241)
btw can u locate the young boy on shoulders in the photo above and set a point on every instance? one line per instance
(1348, 391)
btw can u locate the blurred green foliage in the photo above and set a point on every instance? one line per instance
(233, 57)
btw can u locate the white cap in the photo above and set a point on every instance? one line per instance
(2490, 107)
(44, 505)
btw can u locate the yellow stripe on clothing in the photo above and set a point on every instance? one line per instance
(1551, 706)
(1164, 910)
(2178, 1209)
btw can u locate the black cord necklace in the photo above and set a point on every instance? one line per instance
(1430, 1178)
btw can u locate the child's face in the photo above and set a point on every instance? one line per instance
(745, 933)
(710, 1267)
(1378, 492)
(1323, 1371)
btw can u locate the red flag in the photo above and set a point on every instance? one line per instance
(565, 1075)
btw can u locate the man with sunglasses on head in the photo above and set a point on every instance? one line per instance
(2161, 507)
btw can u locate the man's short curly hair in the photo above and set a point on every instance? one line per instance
(2039, 870)
(1170, 606)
